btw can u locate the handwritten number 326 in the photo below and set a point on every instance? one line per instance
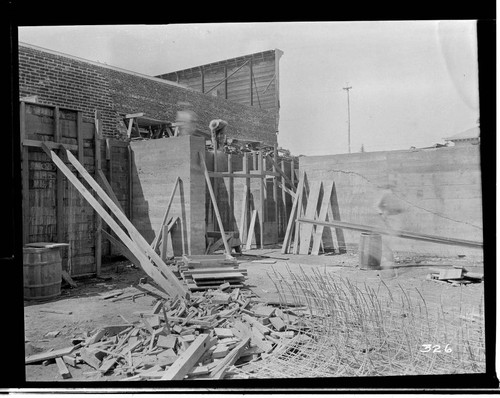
(435, 348)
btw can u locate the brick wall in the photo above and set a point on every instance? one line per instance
(66, 81)
(440, 190)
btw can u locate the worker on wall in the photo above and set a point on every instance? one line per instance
(218, 131)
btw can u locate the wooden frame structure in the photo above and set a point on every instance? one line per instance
(84, 138)
(279, 179)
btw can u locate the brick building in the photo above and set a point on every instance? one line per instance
(67, 81)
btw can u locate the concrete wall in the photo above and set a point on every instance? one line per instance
(440, 189)
(156, 165)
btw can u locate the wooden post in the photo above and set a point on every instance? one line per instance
(215, 182)
(109, 163)
(24, 174)
(60, 219)
(130, 182)
(292, 173)
(216, 209)
(79, 135)
(275, 186)
(262, 198)
(284, 213)
(300, 192)
(246, 199)
(231, 191)
(97, 165)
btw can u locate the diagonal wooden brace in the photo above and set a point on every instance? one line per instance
(169, 283)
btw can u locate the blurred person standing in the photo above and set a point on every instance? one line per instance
(186, 119)
(389, 207)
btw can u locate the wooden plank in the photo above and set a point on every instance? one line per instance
(50, 354)
(60, 219)
(215, 206)
(334, 214)
(286, 190)
(246, 201)
(243, 216)
(231, 190)
(396, 233)
(262, 207)
(306, 230)
(292, 172)
(323, 212)
(153, 290)
(251, 230)
(97, 166)
(188, 359)
(68, 279)
(453, 273)
(218, 174)
(122, 248)
(130, 156)
(275, 187)
(137, 237)
(300, 195)
(281, 184)
(291, 220)
(109, 190)
(219, 371)
(63, 369)
(79, 135)
(134, 115)
(50, 144)
(155, 242)
(219, 275)
(24, 174)
(277, 169)
(146, 265)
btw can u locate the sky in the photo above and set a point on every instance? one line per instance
(413, 82)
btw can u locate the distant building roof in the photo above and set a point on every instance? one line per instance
(469, 134)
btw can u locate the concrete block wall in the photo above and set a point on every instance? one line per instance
(155, 167)
(440, 189)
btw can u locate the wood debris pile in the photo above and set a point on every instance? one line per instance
(203, 337)
(455, 277)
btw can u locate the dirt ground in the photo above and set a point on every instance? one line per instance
(89, 311)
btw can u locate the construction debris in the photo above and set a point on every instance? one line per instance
(202, 337)
(455, 277)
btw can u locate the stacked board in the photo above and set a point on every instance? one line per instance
(211, 271)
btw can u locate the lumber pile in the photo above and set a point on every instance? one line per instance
(455, 277)
(211, 271)
(203, 337)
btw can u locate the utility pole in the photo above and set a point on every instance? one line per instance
(348, 117)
